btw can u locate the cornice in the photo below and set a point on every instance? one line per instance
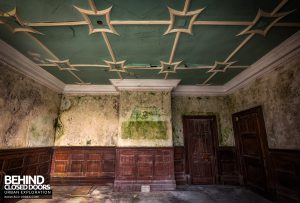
(89, 89)
(145, 84)
(17, 61)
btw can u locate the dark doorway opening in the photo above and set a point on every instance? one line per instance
(252, 150)
(200, 141)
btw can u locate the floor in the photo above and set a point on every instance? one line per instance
(184, 194)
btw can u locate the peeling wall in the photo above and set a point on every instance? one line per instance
(88, 121)
(279, 95)
(27, 111)
(218, 106)
(149, 113)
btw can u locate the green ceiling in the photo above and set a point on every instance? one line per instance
(92, 41)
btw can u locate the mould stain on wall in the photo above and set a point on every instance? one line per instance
(144, 123)
(145, 118)
(87, 120)
(279, 94)
(27, 111)
(191, 106)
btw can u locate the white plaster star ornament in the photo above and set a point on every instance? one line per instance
(119, 64)
(169, 67)
(106, 13)
(63, 65)
(261, 14)
(226, 65)
(175, 13)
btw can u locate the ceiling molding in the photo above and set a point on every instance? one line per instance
(277, 56)
(145, 84)
(193, 90)
(17, 61)
(89, 89)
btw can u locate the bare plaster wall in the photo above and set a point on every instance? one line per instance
(88, 121)
(278, 93)
(187, 106)
(145, 119)
(28, 111)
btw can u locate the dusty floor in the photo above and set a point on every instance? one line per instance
(188, 194)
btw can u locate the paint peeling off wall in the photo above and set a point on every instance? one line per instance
(218, 106)
(88, 121)
(145, 118)
(27, 111)
(279, 95)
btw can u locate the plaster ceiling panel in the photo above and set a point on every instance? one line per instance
(143, 74)
(50, 11)
(88, 44)
(208, 44)
(221, 78)
(7, 5)
(139, 44)
(95, 75)
(231, 10)
(24, 43)
(191, 76)
(64, 76)
(141, 10)
(258, 46)
(292, 5)
(75, 43)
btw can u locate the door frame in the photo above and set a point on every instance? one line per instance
(215, 145)
(264, 149)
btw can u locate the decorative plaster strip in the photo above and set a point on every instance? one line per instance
(20, 63)
(279, 55)
(276, 57)
(89, 89)
(146, 84)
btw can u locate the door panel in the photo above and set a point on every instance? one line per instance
(200, 149)
(252, 145)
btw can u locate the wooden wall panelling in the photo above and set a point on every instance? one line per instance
(179, 165)
(83, 165)
(228, 166)
(286, 172)
(25, 161)
(144, 166)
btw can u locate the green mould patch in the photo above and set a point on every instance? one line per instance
(144, 123)
(59, 128)
(144, 130)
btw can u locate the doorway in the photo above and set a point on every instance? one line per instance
(252, 147)
(200, 141)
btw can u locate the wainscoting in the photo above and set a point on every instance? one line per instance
(158, 167)
(286, 169)
(179, 166)
(144, 166)
(228, 167)
(83, 165)
(25, 161)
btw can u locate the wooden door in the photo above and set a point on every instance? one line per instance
(200, 138)
(251, 141)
